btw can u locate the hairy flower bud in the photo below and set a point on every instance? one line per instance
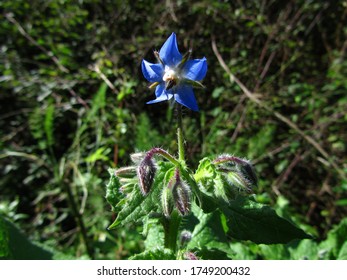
(167, 201)
(126, 188)
(125, 172)
(185, 237)
(248, 172)
(181, 195)
(238, 181)
(238, 172)
(190, 256)
(137, 157)
(146, 172)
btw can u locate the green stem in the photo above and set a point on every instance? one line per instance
(171, 226)
(180, 139)
(165, 154)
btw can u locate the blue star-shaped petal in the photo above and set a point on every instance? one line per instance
(174, 75)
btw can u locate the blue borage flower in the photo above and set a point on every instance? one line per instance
(174, 75)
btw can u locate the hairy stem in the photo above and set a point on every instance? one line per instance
(163, 153)
(171, 226)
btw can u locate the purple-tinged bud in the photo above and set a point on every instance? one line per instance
(185, 237)
(146, 172)
(181, 195)
(228, 159)
(190, 256)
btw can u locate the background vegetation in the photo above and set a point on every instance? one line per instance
(73, 104)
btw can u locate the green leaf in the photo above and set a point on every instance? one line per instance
(211, 253)
(99, 154)
(240, 251)
(341, 202)
(343, 252)
(305, 250)
(154, 234)
(274, 252)
(136, 206)
(205, 172)
(249, 220)
(41, 123)
(113, 195)
(208, 238)
(4, 240)
(204, 177)
(131, 210)
(207, 202)
(245, 219)
(15, 245)
(18, 246)
(335, 240)
(158, 254)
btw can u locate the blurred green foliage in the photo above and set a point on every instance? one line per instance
(73, 104)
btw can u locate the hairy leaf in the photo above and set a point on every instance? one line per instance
(343, 252)
(208, 237)
(135, 206)
(113, 195)
(249, 220)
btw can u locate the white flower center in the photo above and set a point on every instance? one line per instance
(169, 74)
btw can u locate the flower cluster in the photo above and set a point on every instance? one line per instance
(174, 76)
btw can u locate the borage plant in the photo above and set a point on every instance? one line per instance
(188, 215)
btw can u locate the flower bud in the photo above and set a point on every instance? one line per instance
(238, 172)
(185, 237)
(238, 181)
(136, 158)
(146, 172)
(126, 188)
(125, 172)
(190, 256)
(181, 196)
(167, 201)
(248, 172)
